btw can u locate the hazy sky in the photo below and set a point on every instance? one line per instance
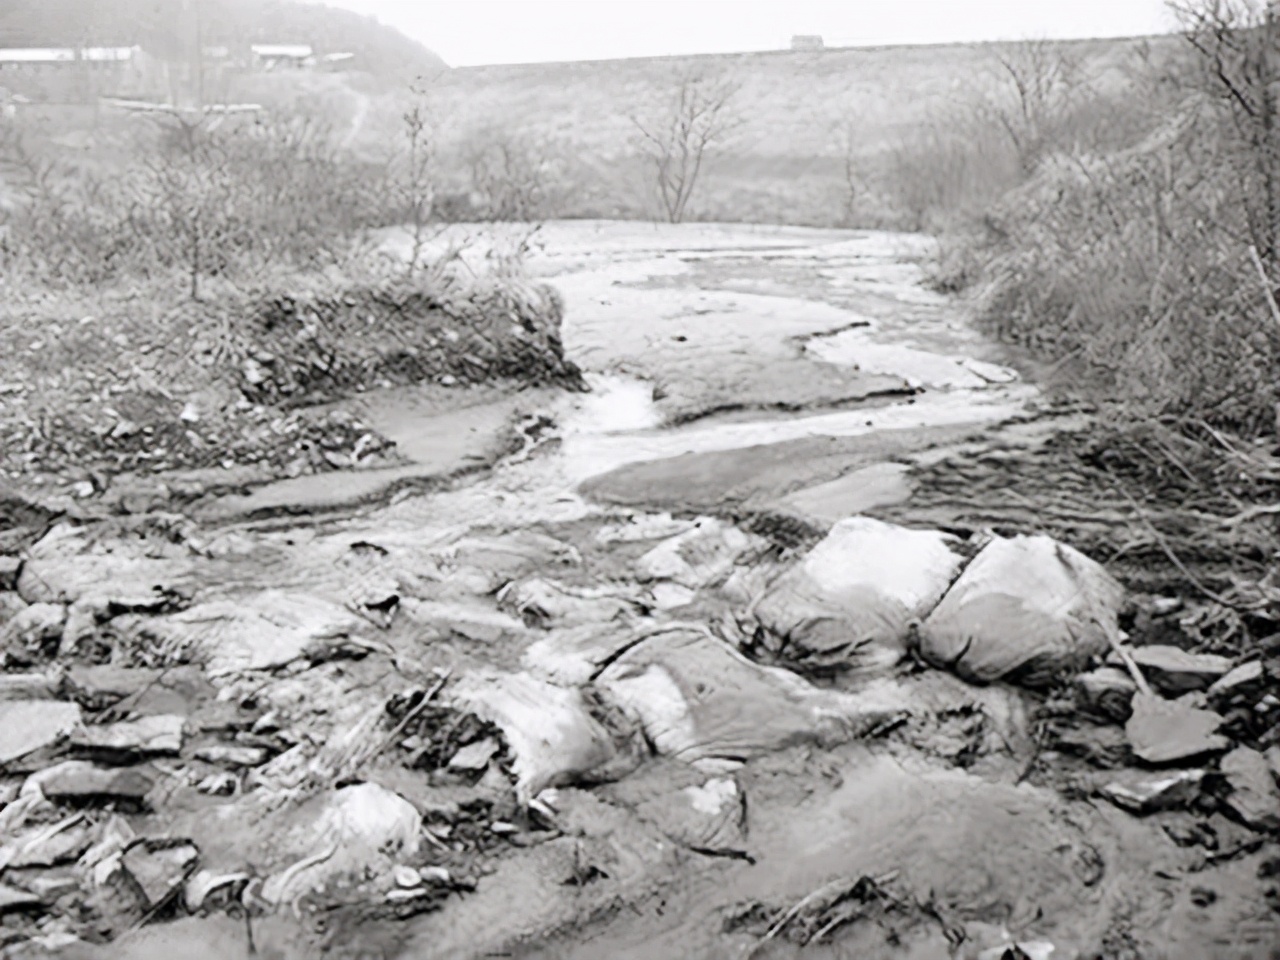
(513, 31)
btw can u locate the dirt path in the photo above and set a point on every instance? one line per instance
(751, 387)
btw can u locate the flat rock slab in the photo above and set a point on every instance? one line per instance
(232, 756)
(82, 782)
(262, 631)
(30, 725)
(102, 686)
(1143, 792)
(1168, 731)
(757, 475)
(1175, 671)
(159, 868)
(13, 899)
(859, 491)
(1247, 680)
(440, 447)
(132, 739)
(1254, 796)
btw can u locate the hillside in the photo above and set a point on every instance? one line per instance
(803, 114)
(154, 24)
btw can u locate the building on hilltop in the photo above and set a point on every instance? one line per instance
(276, 56)
(806, 41)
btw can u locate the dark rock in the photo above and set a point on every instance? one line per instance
(13, 899)
(1103, 746)
(1247, 681)
(10, 568)
(1167, 731)
(1107, 691)
(34, 628)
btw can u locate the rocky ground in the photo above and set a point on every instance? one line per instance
(757, 649)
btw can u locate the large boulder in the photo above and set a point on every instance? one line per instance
(850, 603)
(1026, 609)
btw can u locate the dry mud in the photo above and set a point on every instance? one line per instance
(527, 660)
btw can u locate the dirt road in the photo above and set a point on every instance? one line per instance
(567, 624)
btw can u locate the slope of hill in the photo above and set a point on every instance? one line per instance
(160, 24)
(808, 118)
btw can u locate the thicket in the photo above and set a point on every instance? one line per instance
(1130, 237)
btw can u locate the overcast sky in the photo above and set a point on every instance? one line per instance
(468, 32)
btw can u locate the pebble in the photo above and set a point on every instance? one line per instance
(406, 877)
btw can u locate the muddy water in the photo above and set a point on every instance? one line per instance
(767, 346)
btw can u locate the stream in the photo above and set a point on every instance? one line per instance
(734, 370)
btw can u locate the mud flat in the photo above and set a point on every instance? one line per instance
(634, 672)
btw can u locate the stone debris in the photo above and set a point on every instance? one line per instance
(263, 631)
(484, 565)
(1174, 672)
(100, 687)
(232, 756)
(131, 740)
(1170, 731)
(1026, 609)
(406, 877)
(85, 783)
(1107, 692)
(468, 620)
(1254, 796)
(644, 526)
(48, 846)
(10, 567)
(545, 603)
(700, 557)
(475, 756)
(1249, 680)
(1142, 793)
(34, 631)
(699, 699)
(30, 725)
(350, 832)
(206, 885)
(158, 869)
(709, 817)
(553, 734)
(14, 899)
(849, 604)
(103, 858)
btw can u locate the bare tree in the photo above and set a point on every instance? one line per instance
(1238, 43)
(417, 180)
(512, 175)
(187, 186)
(855, 186)
(699, 117)
(1036, 86)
